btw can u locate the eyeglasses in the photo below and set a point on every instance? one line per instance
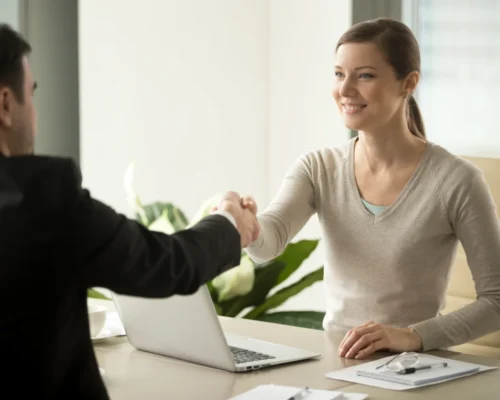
(301, 394)
(401, 361)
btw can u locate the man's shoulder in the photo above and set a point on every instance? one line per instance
(29, 167)
(42, 180)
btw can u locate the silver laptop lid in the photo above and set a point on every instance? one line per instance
(183, 327)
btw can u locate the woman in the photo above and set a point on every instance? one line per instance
(392, 208)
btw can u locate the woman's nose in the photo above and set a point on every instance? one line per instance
(347, 88)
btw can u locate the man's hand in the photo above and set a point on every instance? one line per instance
(246, 223)
(366, 339)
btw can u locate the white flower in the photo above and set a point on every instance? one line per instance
(206, 208)
(162, 224)
(237, 281)
(132, 197)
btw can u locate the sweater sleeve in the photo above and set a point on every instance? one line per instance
(287, 214)
(474, 218)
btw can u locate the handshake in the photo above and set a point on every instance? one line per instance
(244, 211)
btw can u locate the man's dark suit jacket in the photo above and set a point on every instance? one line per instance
(55, 242)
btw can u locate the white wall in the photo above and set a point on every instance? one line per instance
(9, 13)
(207, 96)
(50, 27)
(303, 116)
(179, 86)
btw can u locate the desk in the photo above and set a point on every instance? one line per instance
(132, 374)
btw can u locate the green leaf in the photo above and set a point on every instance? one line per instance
(284, 294)
(94, 294)
(265, 280)
(303, 319)
(217, 309)
(175, 215)
(177, 218)
(294, 255)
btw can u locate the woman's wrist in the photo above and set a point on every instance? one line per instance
(415, 340)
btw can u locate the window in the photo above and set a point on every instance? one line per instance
(459, 93)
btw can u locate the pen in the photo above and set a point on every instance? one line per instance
(300, 395)
(414, 369)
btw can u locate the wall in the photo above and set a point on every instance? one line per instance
(303, 115)
(51, 28)
(179, 87)
(207, 97)
(9, 13)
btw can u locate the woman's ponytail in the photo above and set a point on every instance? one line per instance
(414, 117)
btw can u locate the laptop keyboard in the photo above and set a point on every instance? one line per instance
(241, 356)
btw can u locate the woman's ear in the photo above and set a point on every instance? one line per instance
(410, 83)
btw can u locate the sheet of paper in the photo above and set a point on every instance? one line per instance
(349, 375)
(278, 392)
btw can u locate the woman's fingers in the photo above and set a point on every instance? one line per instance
(249, 203)
(364, 342)
(352, 336)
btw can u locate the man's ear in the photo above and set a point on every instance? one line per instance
(6, 107)
(411, 82)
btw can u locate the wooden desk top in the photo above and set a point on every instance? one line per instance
(132, 374)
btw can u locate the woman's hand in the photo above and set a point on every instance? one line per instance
(246, 202)
(249, 203)
(366, 339)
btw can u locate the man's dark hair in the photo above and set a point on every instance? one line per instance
(12, 50)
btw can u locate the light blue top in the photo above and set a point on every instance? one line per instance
(373, 208)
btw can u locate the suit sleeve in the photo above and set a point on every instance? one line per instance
(122, 255)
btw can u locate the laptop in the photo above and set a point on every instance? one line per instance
(188, 328)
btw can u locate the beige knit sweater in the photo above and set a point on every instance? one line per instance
(393, 268)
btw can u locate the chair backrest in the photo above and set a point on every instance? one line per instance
(461, 289)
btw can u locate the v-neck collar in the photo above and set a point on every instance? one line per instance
(374, 218)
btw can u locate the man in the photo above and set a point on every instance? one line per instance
(56, 241)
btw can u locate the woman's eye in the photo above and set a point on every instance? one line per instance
(366, 76)
(338, 74)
